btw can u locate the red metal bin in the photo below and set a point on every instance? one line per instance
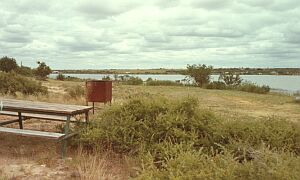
(98, 91)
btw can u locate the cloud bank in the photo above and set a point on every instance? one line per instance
(97, 34)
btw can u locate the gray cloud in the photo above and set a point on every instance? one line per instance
(158, 33)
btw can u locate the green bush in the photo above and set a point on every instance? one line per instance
(133, 81)
(75, 91)
(174, 139)
(247, 87)
(254, 88)
(190, 164)
(216, 85)
(274, 132)
(162, 83)
(12, 83)
(60, 77)
(145, 122)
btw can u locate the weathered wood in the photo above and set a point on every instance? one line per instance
(20, 120)
(39, 116)
(42, 107)
(12, 121)
(23, 132)
(65, 142)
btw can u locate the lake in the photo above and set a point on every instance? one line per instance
(277, 82)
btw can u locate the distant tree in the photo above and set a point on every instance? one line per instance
(8, 64)
(60, 77)
(42, 71)
(200, 73)
(231, 79)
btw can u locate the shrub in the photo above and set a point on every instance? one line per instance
(200, 73)
(12, 83)
(42, 71)
(162, 83)
(133, 81)
(274, 132)
(25, 71)
(106, 78)
(75, 91)
(230, 79)
(254, 88)
(60, 77)
(8, 64)
(216, 85)
(174, 139)
(191, 164)
(145, 122)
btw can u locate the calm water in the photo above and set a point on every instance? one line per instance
(286, 83)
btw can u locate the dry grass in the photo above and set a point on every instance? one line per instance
(96, 165)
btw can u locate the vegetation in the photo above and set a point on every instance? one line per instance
(199, 73)
(11, 83)
(75, 91)
(230, 79)
(234, 82)
(130, 80)
(8, 64)
(176, 139)
(151, 82)
(60, 77)
(42, 71)
(253, 88)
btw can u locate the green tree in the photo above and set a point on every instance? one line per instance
(231, 79)
(42, 71)
(200, 73)
(8, 64)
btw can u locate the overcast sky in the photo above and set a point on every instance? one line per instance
(98, 34)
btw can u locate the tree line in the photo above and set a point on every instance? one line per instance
(8, 65)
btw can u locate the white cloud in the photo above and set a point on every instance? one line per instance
(158, 33)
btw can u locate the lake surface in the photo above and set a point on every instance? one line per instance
(285, 83)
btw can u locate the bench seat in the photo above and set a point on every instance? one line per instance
(38, 116)
(23, 132)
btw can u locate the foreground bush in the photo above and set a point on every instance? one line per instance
(145, 122)
(191, 164)
(12, 83)
(176, 139)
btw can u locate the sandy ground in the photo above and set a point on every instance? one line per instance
(32, 158)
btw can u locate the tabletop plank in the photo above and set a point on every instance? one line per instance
(42, 107)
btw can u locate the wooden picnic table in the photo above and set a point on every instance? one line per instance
(51, 111)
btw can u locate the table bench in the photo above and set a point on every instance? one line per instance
(25, 110)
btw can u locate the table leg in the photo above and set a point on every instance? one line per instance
(65, 141)
(87, 117)
(20, 120)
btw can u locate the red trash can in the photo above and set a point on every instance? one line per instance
(98, 91)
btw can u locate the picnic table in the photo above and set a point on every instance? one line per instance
(25, 110)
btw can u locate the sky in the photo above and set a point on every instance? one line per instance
(120, 34)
